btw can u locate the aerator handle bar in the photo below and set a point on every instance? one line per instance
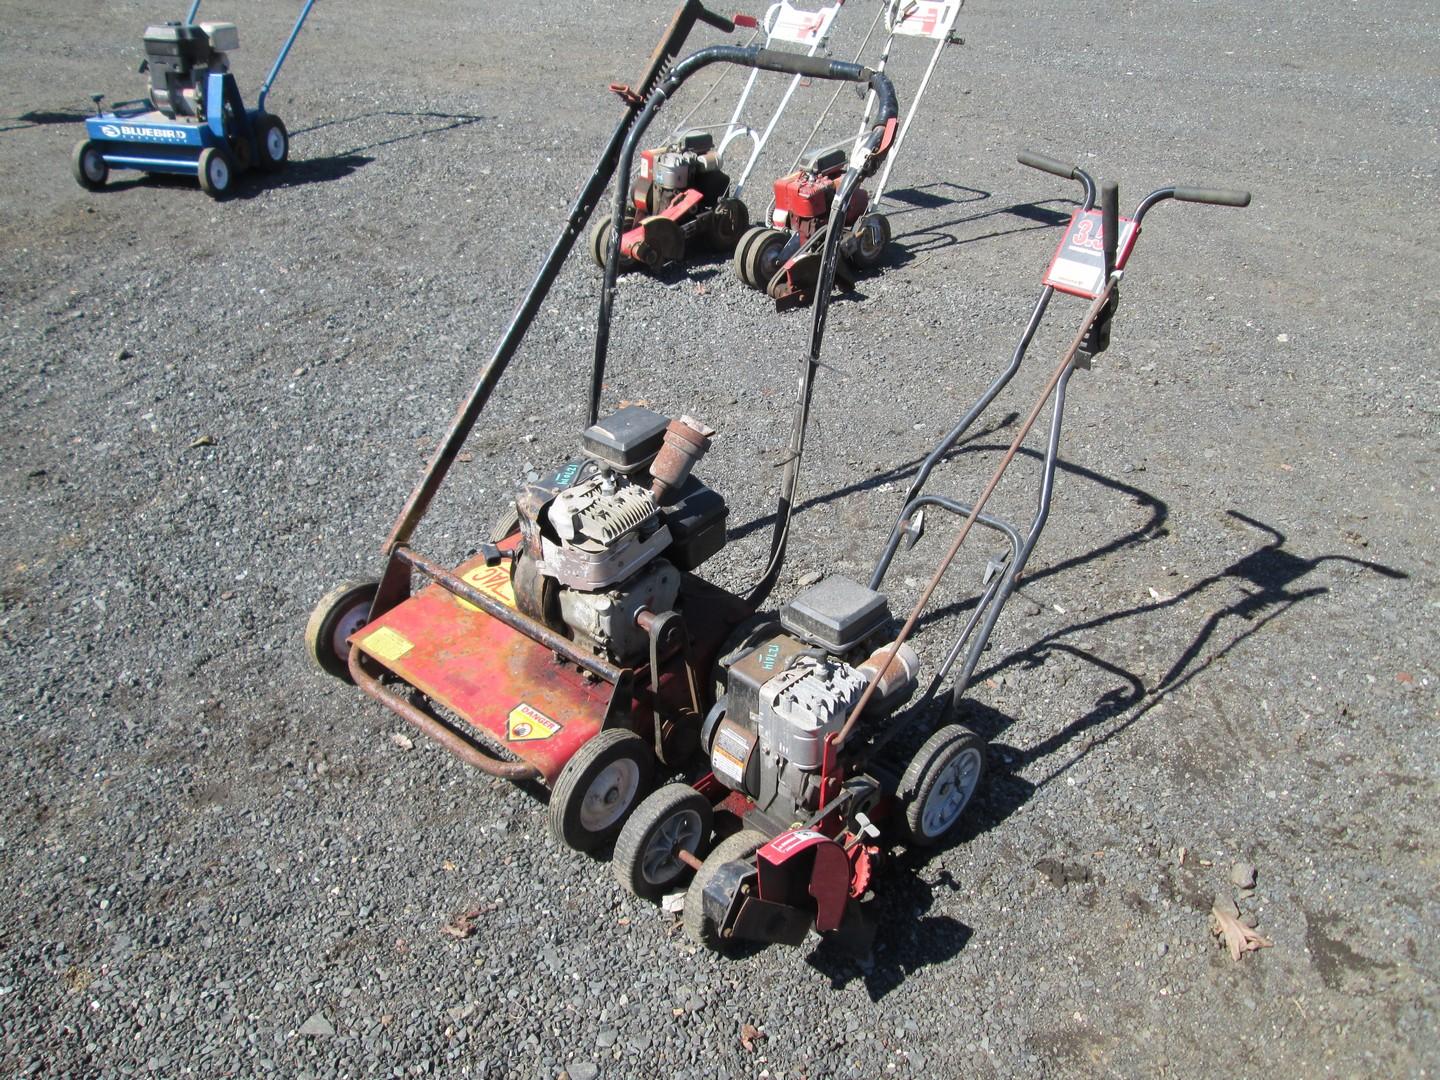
(284, 52)
(686, 16)
(868, 153)
(995, 596)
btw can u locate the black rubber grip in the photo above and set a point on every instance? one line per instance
(1046, 164)
(1214, 196)
(719, 22)
(884, 96)
(815, 67)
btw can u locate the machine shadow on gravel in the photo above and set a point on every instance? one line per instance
(927, 237)
(1270, 580)
(40, 118)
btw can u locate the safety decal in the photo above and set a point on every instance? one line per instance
(386, 644)
(493, 581)
(528, 724)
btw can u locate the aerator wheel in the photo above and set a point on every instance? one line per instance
(216, 172)
(763, 258)
(939, 783)
(341, 612)
(273, 143)
(872, 236)
(599, 787)
(674, 818)
(728, 222)
(89, 166)
(700, 928)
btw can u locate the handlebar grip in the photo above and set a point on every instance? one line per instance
(1047, 164)
(1214, 196)
(884, 91)
(816, 67)
(719, 22)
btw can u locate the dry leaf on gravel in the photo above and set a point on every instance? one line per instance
(403, 741)
(1226, 923)
(463, 925)
(749, 1036)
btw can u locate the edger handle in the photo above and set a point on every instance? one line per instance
(1048, 164)
(686, 16)
(1214, 196)
(815, 67)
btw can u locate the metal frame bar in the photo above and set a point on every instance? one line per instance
(284, 52)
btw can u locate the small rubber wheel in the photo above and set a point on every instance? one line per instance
(742, 246)
(89, 166)
(598, 788)
(763, 259)
(728, 222)
(872, 236)
(216, 174)
(341, 612)
(939, 783)
(273, 143)
(698, 926)
(600, 241)
(675, 817)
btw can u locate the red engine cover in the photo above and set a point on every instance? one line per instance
(803, 196)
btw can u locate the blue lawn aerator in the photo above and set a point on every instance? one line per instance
(193, 122)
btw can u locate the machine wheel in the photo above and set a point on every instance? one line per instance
(599, 787)
(697, 925)
(674, 817)
(341, 612)
(742, 247)
(939, 783)
(88, 165)
(762, 258)
(600, 244)
(728, 222)
(872, 236)
(216, 173)
(600, 241)
(273, 143)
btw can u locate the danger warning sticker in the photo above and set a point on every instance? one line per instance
(493, 581)
(528, 724)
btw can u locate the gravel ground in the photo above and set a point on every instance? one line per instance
(219, 863)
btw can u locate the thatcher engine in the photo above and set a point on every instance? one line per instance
(607, 537)
(790, 691)
(179, 58)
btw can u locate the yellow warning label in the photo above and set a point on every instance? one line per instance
(387, 644)
(493, 581)
(527, 724)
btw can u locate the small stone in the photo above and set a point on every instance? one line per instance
(1242, 875)
(810, 577)
(583, 1070)
(606, 1038)
(317, 1026)
(402, 741)
(673, 903)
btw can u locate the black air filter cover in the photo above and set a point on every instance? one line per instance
(835, 614)
(626, 440)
